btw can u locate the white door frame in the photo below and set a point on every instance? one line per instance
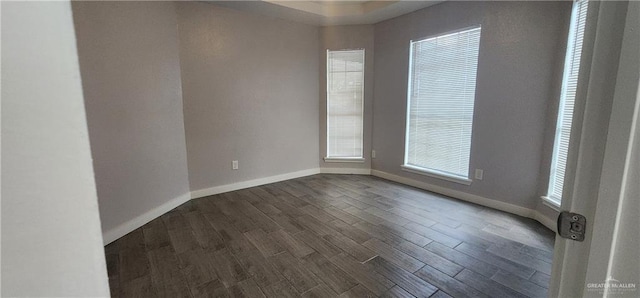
(603, 158)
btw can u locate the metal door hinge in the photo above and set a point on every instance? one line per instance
(572, 225)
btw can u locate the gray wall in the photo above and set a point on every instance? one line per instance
(339, 38)
(131, 78)
(51, 240)
(517, 65)
(250, 89)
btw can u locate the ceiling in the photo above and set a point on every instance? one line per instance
(329, 12)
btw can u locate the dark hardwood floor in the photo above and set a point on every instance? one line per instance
(332, 235)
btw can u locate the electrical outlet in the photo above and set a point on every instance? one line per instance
(234, 165)
(479, 174)
(373, 154)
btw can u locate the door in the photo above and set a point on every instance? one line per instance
(604, 161)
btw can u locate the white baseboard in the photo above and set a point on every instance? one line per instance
(522, 211)
(150, 215)
(550, 223)
(251, 183)
(506, 207)
(141, 220)
(345, 171)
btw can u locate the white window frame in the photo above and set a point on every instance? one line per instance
(341, 159)
(551, 200)
(421, 170)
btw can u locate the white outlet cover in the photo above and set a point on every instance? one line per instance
(479, 174)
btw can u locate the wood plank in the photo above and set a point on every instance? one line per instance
(139, 287)
(373, 200)
(462, 259)
(287, 222)
(433, 235)
(112, 258)
(266, 208)
(353, 203)
(538, 253)
(262, 220)
(394, 256)
(514, 254)
(338, 280)
(296, 247)
(440, 294)
(397, 292)
(403, 278)
(247, 288)
(214, 288)
(318, 213)
(387, 216)
(519, 284)
(352, 232)
(241, 246)
(356, 292)
(447, 283)
(204, 233)
(434, 215)
(344, 216)
(204, 205)
(502, 263)
(315, 226)
(231, 209)
(166, 277)
(541, 279)
(416, 219)
(133, 262)
(351, 247)
(380, 233)
(430, 258)
(260, 269)
(318, 244)
(486, 285)
(363, 273)
(183, 240)
(228, 268)
(405, 234)
(265, 244)
(320, 291)
(280, 289)
(366, 216)
(198, 267)
(462, 236)
(174, 220)
(223, 226)
(298, 276)
(155, 234)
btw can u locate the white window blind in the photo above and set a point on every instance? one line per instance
(442, 81)
(567, 100)
(345, 102)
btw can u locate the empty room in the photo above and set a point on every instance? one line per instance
(320, 148)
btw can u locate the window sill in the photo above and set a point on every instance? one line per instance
(437, 174)
(551, 203)
(343, 159)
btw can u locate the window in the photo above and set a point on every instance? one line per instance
(441, 95)
(567, 101)
(345, 103)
